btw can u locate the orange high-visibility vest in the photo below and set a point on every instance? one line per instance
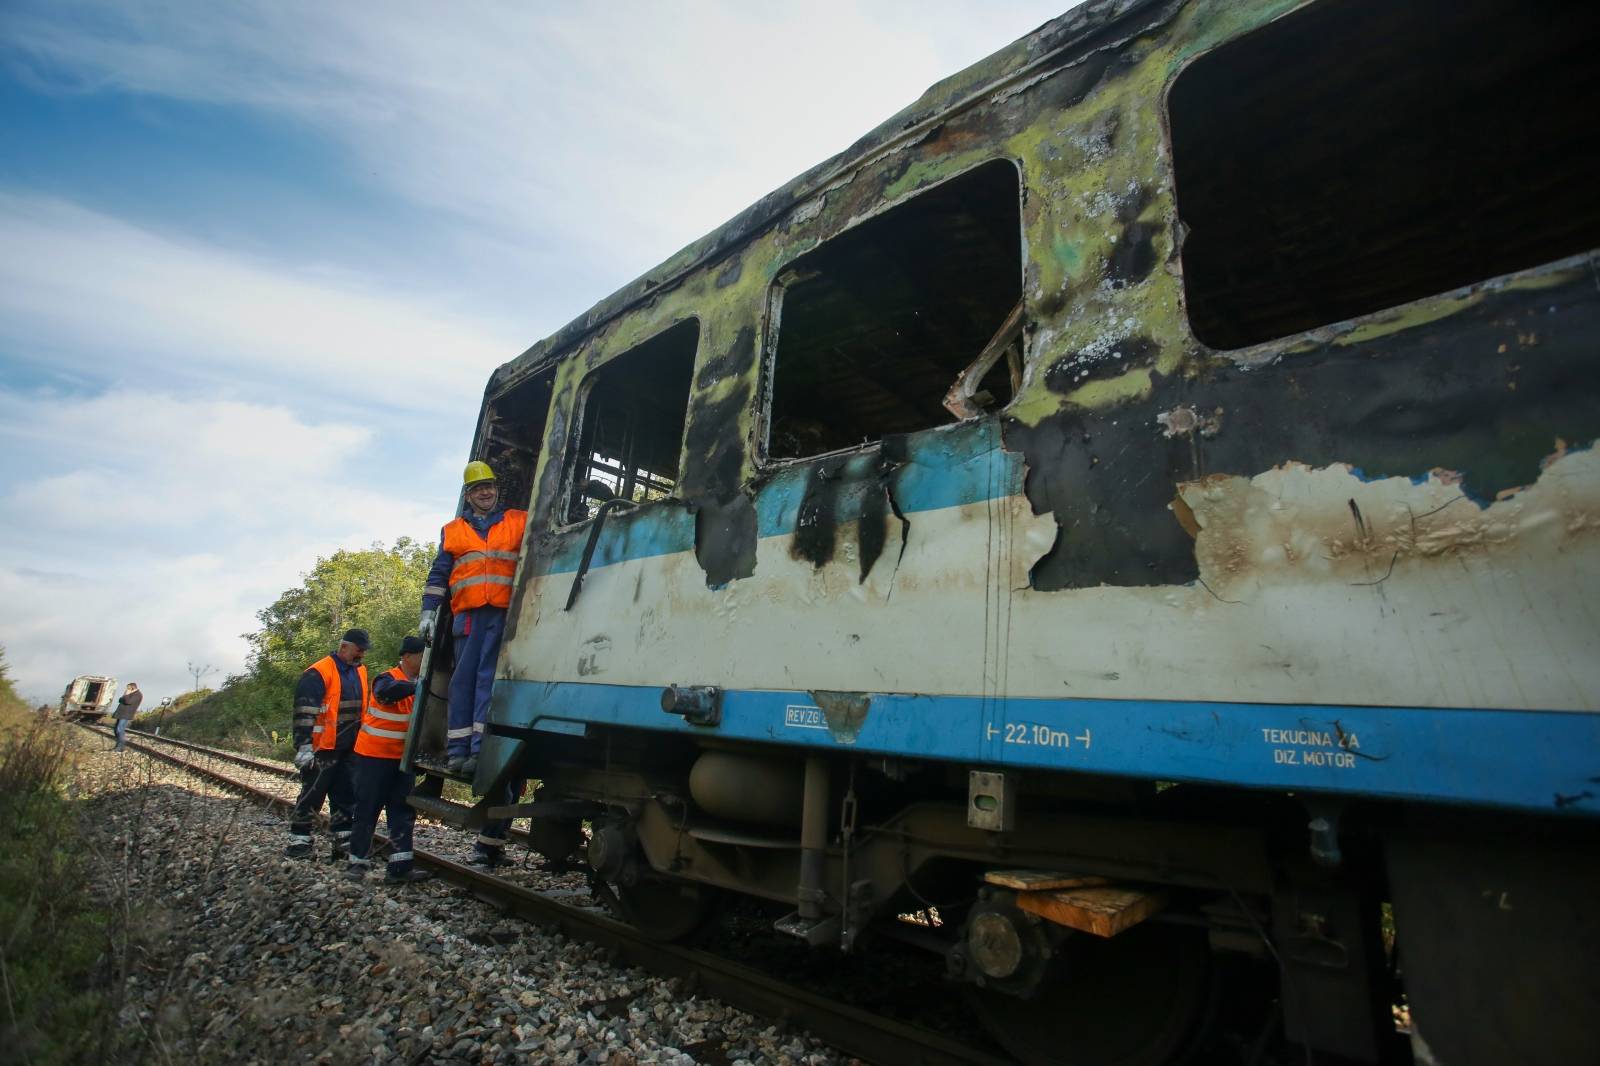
(336, 712)
(484, 566)
(383, 725)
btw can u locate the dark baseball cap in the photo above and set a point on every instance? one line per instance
(410, 645)
(358, 637)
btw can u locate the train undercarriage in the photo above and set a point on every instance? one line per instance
(1099, 920)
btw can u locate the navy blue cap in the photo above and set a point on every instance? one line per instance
(410, 645)
(358, 637)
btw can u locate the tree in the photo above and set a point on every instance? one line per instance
(379, 590)
(197, 672)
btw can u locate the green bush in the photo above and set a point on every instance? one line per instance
(54, 940)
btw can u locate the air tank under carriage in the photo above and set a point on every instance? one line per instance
(1135, 509)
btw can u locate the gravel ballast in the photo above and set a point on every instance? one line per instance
(243, 955)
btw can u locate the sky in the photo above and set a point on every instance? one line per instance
(258, 259)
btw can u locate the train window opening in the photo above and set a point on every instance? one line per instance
(512, 436)
(877, 328)
(631, 436)
(1359, 154)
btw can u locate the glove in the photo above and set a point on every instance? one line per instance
(302, 757)
(426, 624)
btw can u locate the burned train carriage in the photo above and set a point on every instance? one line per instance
(1138, 502)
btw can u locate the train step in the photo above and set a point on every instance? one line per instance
(814, 931)
(548, 809)
(436, 767)
(456, 815)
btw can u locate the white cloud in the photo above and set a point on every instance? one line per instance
(133, 302)
(154, 527)
(610, 134)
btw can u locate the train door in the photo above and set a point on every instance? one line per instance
(510, 438)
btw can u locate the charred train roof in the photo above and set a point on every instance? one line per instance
(1077, 29)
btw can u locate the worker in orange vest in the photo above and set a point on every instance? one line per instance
(477, 560)
(375, 769)
(329, 700)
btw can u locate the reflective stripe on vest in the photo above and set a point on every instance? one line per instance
(383, 725)
(325, 734)
(483, 568)
(373, 730)
(472, 557)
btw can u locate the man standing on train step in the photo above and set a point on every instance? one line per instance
(476, 562)
(329, 701)
(380, 784)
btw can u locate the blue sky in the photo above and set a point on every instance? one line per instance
(258, 259)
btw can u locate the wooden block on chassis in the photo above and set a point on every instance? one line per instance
(1103, 911)
(1039, 880)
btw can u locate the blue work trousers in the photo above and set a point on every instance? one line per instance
(493, 836)
(326, 779)
(478, 634)
(122, 733)
(380, 784)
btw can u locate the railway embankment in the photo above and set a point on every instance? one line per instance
(230, 953)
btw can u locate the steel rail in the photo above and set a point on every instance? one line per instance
(845, 1027)
(266, 766)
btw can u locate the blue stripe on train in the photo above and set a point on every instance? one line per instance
(1531, 760)
(946, 467)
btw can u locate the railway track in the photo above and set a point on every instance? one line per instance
(852, 1030)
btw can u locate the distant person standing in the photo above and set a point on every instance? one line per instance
(329, 700)
(474, 568)
(379, 782)
(127, 707)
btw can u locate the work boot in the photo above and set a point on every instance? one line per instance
(455, 763)
(357, 871)
(410, 877)
(470, 767)
(340, 852)
(487, 857)
(297, 851)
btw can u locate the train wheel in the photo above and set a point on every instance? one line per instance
(1138, 999)
(668, 910)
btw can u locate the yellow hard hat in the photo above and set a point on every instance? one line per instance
(477, 471)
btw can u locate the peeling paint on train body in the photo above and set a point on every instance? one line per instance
(1331, 525)
(844, 713)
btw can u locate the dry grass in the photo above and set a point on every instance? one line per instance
(55, 940)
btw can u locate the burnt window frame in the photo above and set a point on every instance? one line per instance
(569, 462)
(772, 321)
(1258, 352)
(482, 434)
